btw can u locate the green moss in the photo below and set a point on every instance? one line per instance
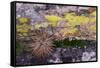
(72, 43)
(19, 48)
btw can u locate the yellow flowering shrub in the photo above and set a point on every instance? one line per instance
(23, 28)
(93, 20)
(92, 28)
(76, 20)
(93, 13)
(66, 31)
(44, 25)
(68, 17)
(37, 26)
(23, 20)
(84, 19)
(52, 19)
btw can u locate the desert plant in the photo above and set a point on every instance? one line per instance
(42, 44)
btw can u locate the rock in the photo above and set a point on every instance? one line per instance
(87, 56)
(23, 59)
(27, 10)
(72, 53)
(56, 57)
(65, 9)
(57, 60)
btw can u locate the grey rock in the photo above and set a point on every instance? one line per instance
(27, 10)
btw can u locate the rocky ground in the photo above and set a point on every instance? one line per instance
(60, 55)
